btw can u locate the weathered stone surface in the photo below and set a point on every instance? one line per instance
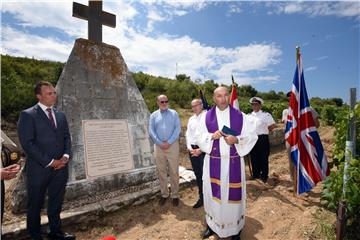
(107, 202)
(277, 136)
(96, 84)
(101, 87)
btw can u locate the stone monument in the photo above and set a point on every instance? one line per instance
(112, 163)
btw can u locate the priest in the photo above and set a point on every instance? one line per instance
(226, 135)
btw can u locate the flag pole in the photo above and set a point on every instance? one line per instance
(296, 167)
(350, 152)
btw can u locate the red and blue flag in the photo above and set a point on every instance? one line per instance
(307, 152)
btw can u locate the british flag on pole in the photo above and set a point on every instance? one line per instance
(307, 152)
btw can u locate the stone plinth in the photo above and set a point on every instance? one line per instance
(277, 136)
(96, 84)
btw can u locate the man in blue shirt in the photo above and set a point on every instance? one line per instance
(164, 130)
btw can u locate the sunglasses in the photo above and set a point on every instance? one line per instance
(163, 102)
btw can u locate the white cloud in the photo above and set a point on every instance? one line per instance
(317, 8)
(321, 58)
(312, 68)
(27, 45)
(180, 12)
(59, 15)
(157, 55)
(292, 8)
(153, 16)
(185, 4)
(234, 9)
(46, 14)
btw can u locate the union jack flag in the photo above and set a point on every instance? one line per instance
(307, 152)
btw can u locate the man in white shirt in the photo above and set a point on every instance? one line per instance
(261, 151)
(195, 154)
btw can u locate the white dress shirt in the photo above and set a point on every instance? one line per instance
(263, 121)
(43, 107)
(191, 131)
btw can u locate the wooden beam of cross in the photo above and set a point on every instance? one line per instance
(96, 17)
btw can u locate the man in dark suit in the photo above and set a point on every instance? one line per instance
(45, 138)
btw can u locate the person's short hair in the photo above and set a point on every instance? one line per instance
(37, 89)
(157, 97)
(288, 94)
(197, 100)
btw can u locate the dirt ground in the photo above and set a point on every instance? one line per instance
(273, 212)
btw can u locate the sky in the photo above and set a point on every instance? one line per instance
(254, 41)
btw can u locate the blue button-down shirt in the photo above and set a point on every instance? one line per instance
(164, 126)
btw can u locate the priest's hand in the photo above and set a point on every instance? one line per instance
(230, 139)
(216, 135)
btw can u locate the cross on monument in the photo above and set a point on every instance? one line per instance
(96, 17)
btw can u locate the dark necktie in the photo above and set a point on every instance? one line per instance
(51, 118)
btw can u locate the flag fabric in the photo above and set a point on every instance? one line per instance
(203, 99)
(233, 96)
(307, 152)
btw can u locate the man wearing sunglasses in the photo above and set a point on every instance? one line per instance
(164, 130)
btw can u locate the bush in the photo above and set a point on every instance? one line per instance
(18, 77)
(328, 114)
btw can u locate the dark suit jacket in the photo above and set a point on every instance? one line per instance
(40, 140)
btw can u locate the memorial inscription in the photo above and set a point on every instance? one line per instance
(107, 147)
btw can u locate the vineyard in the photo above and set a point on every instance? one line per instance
(333, 186)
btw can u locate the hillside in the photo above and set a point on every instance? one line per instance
(19, 75)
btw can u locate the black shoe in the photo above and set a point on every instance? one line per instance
(61, 236)
(37, 238)
(264, 179)
(207, 233)
(175, 202)
(254, 177)
(162, 201)
(199, 203)
(236, 237)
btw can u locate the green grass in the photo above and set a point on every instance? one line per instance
(325, 225)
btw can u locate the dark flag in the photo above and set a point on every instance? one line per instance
(203, 99)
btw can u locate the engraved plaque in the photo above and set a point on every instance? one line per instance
(107, 147)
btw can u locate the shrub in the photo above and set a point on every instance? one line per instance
(328, 114)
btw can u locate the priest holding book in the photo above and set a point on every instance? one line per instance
(226, 135)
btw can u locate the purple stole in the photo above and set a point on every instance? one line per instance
(236, 123)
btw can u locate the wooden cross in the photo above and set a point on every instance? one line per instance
(96, 17)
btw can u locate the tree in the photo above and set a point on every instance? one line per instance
(338, 101)
(246, 91)
(182, 77)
